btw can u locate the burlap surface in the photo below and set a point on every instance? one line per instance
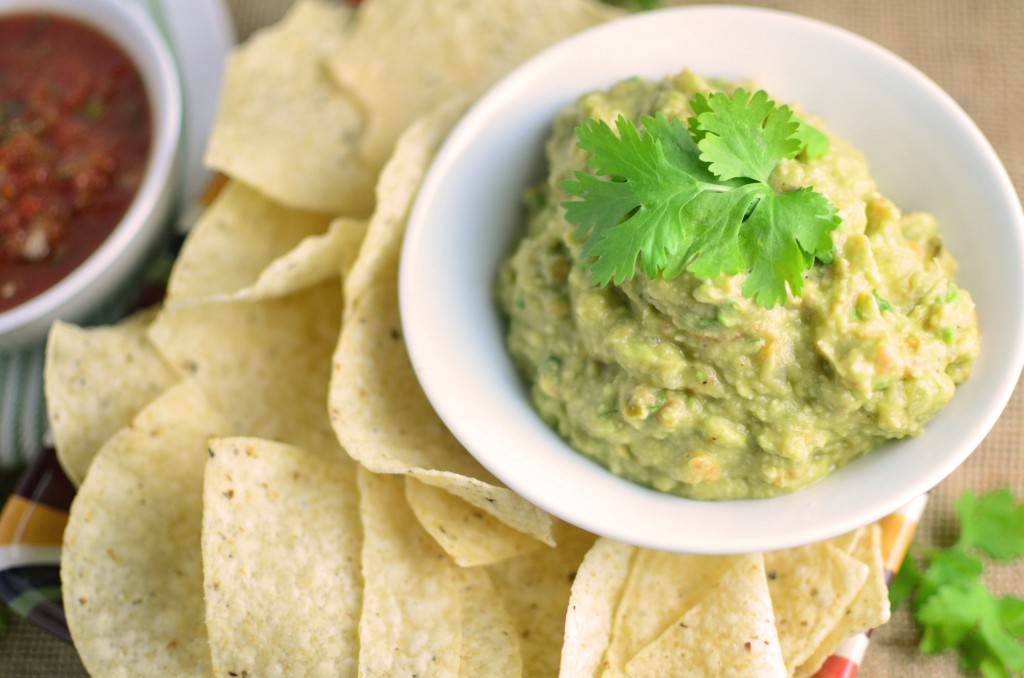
(975, 52)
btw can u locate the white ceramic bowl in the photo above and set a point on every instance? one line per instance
(123, 254)
(925, 153)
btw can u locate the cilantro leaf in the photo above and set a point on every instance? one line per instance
(949, 599)
(672, 198)
(745, 135)
(906, 581)
(812, 140)
(627, 218)
(1011, 613)
(785, 233)
(993, 523)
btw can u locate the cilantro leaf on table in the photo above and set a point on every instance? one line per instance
(993, 523)
(696, 197)
(949, 599)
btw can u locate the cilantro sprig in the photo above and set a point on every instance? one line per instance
(951, 603)
(696, 197)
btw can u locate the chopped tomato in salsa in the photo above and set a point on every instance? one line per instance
(75, 132)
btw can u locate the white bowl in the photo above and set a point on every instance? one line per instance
(124, 253)
(925, 153)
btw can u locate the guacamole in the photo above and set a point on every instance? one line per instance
(691, 388)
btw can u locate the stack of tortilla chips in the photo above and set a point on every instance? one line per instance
(263, 487)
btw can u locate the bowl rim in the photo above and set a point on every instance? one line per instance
(76, 294)
(425, 345)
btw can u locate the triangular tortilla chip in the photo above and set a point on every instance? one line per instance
(811, 587)
(596, 592)
(729, 632)
(265, 364)
(868, 610)
(238, 236)
(661, 587)
(535, 589)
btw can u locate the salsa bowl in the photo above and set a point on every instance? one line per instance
(110, 265)
(925, 153)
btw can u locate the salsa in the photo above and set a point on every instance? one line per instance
(689, 386)
(75, 133)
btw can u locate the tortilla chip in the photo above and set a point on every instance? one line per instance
(131, 569)
(283, 126)
(845, 542)
(489, 643)
(500, 502)
(96, 380)
(265, 364)
(403, 58)
(535, 589)
(594, 597)
(729, 632)
(315, 259)
(410, 624)
(379, 411)
(469, 535)
(281, 560)
(660, 588)
(870, 609)
(811, 587)
(237, 237)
